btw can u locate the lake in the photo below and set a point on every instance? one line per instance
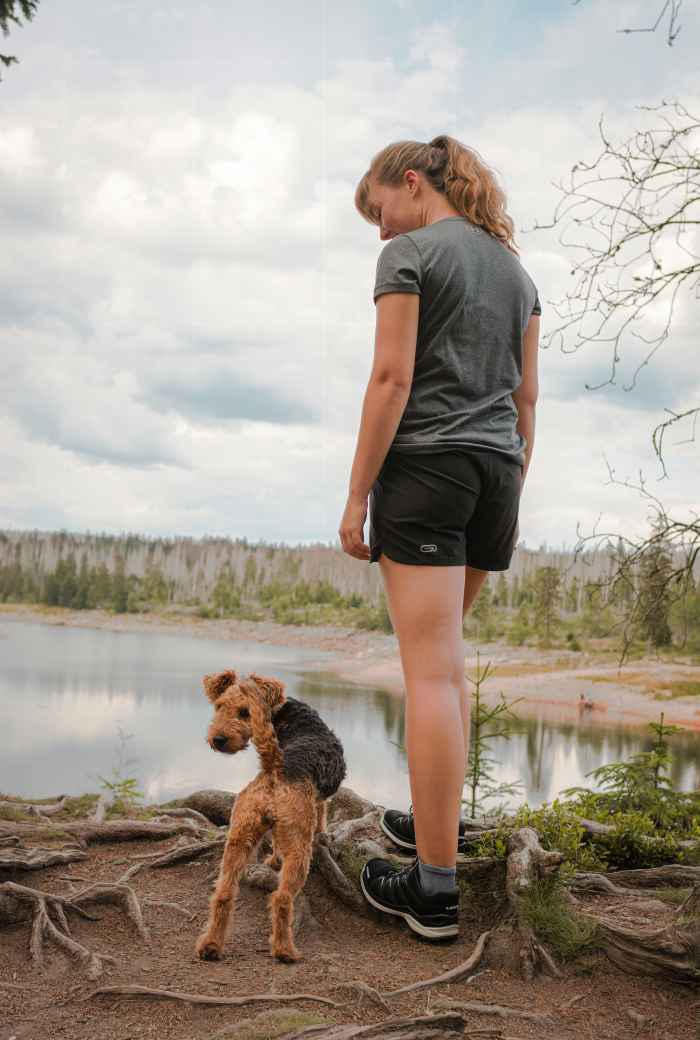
(80, 703)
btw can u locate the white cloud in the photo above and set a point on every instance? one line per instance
(185, 287)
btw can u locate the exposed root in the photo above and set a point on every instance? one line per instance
(107, 831)
(100, 808)
(527, 863)
(500, 1010)
(14, 900)
(203, 998)
(192, 814)
(335, 878)
(675, 874)
(169, 906)
(18, 857)
(672, 951)
(43, 927)
(458, 974)
(423, 1027)
(446, 1026)
(37, 809)
(185, 853)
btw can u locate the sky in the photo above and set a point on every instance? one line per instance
(186, 310)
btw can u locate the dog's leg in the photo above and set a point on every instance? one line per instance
(295, 828)
(295, 870)
(248, 824)
(274, 860)
(321, 817)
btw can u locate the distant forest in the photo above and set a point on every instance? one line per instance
(546, 598)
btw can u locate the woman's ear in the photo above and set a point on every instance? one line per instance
(272, 690)
(216, 684)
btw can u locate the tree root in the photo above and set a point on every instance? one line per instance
(37, 809)
(500, 1010)
(14, 900)
(458, 974)
(425, 1027)
(203, 998)
(528, 862)
(672, 951)
(675, 874)
(19, 857)
(93, 833)
(445, 1026)
(353, 834)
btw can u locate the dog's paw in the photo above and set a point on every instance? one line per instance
(208, 950)
(273, 860)
(287, 954)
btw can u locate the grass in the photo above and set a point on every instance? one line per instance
(78, 806)
(679, 688)
(549, 916)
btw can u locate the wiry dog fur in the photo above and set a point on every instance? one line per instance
(302, 765)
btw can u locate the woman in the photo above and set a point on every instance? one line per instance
(444, 445)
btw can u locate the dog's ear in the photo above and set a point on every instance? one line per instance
(272, 690)
(214, 685)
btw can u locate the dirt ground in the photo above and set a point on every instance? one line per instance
(593, 1000)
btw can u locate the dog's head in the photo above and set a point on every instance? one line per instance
(231, 728)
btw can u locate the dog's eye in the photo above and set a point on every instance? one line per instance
(244, 713)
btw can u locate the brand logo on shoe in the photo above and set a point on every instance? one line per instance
(428, 548)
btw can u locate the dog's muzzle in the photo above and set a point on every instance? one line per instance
(220, 743)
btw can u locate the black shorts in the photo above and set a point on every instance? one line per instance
(446, 508)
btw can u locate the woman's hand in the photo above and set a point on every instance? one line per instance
(351, 528)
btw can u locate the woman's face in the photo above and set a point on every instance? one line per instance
(397, 208)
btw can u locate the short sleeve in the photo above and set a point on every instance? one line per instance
(398, 267)
(537, 309)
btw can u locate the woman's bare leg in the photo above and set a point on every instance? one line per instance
(473, 582)
(425, 605)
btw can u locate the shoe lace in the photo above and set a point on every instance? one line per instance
(402, 872)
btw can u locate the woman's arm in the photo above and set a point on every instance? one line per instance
(388, 390)
(525, 397)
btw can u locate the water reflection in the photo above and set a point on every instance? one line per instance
(65, 694)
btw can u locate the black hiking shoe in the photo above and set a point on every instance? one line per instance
(399, 892)
(400, 828)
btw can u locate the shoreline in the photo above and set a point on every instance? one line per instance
(548, 681)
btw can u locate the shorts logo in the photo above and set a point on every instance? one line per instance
(428, 548)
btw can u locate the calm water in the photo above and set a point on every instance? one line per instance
(67, 693)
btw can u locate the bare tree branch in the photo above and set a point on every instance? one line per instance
(652, 192)
(672, 29)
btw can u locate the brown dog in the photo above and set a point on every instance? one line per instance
(302, 765)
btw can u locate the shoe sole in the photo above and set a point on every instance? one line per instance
(447, 932)
(402, 843)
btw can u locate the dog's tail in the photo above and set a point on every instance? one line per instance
(265, 738)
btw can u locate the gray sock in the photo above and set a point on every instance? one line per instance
(436, 879)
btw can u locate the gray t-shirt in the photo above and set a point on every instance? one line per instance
(476, 301)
